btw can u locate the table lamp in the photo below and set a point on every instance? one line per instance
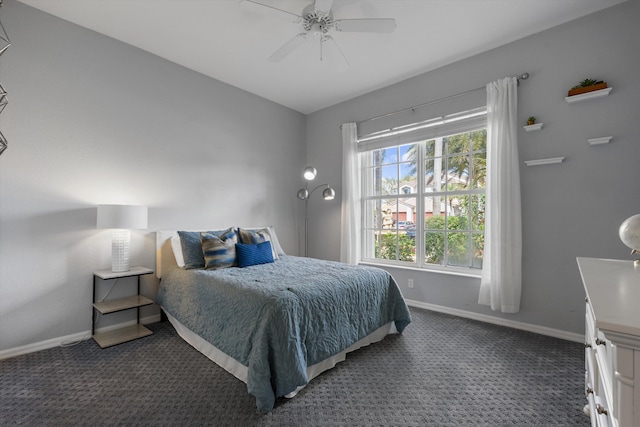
(121, 218)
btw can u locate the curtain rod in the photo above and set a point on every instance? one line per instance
(523, 76)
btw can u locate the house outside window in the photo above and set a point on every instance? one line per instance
(423, 201)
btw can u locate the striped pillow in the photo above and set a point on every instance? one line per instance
(253, 237)
(219, 251)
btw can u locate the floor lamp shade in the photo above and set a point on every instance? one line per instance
(121, 218)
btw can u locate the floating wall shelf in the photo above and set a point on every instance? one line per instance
(544, 161)
(531, 128)
(589, 95)
(598, 141)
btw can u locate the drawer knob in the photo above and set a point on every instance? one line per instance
(586, 299)
(601, 410)
(600, 342)
(587, 345)
(589, 391)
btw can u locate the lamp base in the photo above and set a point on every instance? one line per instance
(120, 243)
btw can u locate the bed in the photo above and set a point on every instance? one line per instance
(277, 325)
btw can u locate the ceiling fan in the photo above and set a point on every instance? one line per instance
(317, 21)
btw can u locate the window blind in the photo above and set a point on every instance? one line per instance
(450, 124)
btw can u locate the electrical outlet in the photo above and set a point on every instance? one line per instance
(410, 283)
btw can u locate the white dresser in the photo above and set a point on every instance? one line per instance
(612, 346)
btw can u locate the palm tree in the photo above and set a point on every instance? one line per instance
(470, 165)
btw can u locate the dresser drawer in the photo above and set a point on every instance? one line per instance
(603, 354)
(599, 367)
(598, 407)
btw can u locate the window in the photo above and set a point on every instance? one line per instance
(423, 200)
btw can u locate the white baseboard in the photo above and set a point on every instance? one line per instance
(68, 339)
(543, 330)
(81, 336)
(43, 345)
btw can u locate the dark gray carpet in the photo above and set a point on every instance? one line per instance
(443, 371)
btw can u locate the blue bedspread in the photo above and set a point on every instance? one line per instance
(281, 317)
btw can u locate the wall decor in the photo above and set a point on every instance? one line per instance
(530, 128)
(4, 44)
(588, 89)
(587, 85)
(589, 95)
(540, 162)
(3, 98)
(532, 125)
(599, 141)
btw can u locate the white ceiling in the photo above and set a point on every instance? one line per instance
(230, 42)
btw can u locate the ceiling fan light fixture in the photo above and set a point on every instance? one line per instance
(317, 20)
(317, 30)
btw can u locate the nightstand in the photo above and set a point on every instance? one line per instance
(127, 333)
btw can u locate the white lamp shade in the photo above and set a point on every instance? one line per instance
(122, 216)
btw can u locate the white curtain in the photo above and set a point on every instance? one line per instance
(501, 282)
(350, 228)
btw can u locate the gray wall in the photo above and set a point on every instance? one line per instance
(91, 120)
(569, 210)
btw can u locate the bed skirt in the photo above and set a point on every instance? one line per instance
(239, 370)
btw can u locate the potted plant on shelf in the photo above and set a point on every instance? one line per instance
(531, 121)
(587, 85)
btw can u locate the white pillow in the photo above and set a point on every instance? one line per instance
(177, 250)
(275, 242)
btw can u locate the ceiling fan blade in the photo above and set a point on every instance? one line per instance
(330, 51)
(373, 25)
(288, 47)
(261, 7)
(323, 5)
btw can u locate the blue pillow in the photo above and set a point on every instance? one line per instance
(257, 236)
(249, 254)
